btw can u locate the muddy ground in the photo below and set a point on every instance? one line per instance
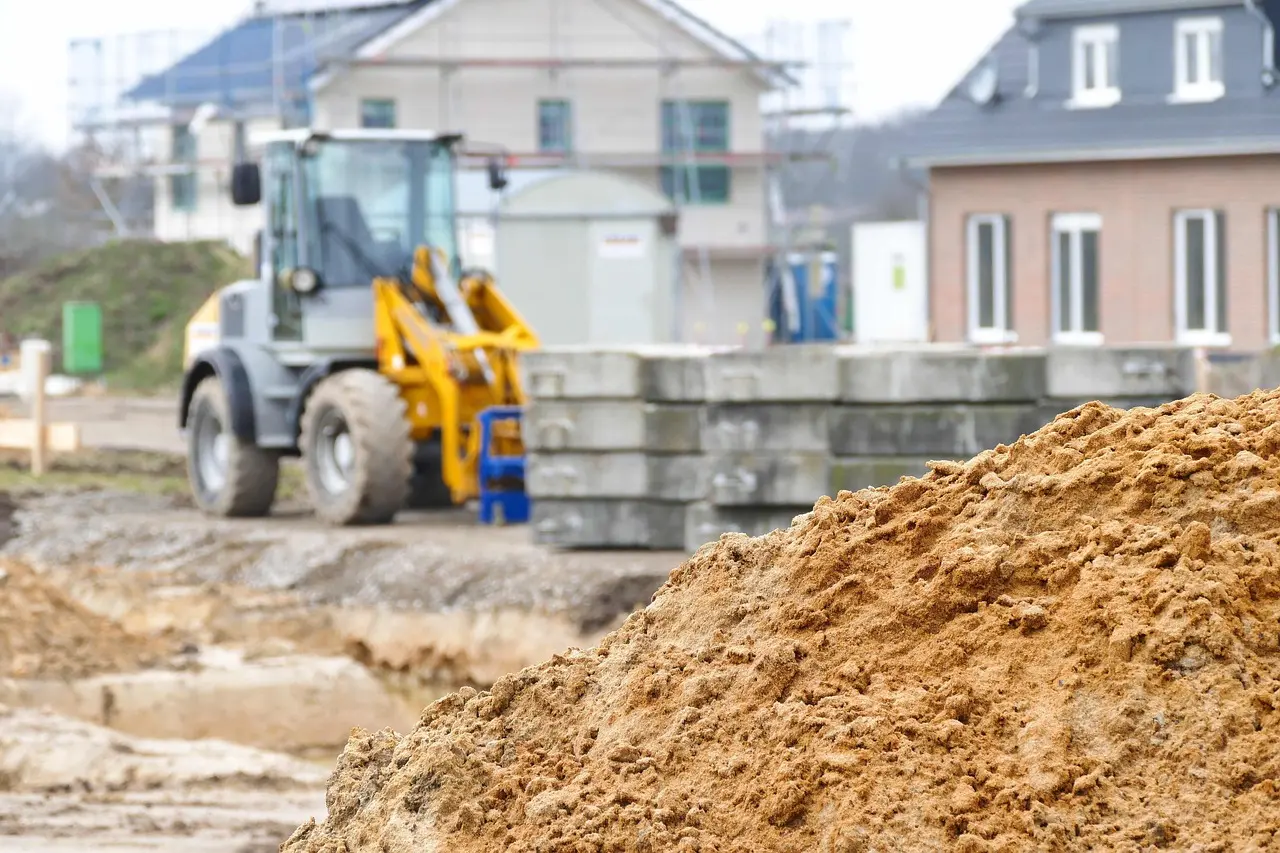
(283, 634)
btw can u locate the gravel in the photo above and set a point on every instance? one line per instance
(428, 563)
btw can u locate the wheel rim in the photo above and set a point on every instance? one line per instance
(213, 452)
(335, 453)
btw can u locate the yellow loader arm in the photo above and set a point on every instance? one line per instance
(448, 378)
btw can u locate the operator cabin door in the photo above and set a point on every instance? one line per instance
(282, 226)
(622, 276)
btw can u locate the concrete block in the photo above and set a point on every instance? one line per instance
(675, 377)
(576, 373)
(705, 522)
(783, 374)
(647, 525)
(778, 427)
(1097, 373)
(1051, 409)
(856, 473)
(1269, 370)
(554, 425)
(751, 479)
(939, 375)
(941, 432)
(1231, 374)
(680, 477)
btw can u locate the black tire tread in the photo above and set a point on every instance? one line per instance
(253, 474)
(377, 420)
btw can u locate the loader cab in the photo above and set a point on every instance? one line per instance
(342, 209)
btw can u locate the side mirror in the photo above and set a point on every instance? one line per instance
(497, 174)
(246, 184)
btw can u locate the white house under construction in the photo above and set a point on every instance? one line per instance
(639, 87)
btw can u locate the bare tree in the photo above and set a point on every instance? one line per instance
(860, 180)
(47, 205)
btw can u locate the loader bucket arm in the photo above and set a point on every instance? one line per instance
(492, 311)
(455, 369)
(495, 312)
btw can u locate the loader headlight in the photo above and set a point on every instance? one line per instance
(305, 280)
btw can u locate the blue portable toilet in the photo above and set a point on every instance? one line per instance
(816, 277)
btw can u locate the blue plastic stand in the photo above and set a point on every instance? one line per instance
(500, 496)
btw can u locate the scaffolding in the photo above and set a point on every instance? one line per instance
(297, 42)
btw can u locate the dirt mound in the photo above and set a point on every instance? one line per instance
(44, 634)
(1071, 643)
(43, 752)
(69, 786)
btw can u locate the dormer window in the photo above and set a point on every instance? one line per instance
(1197, 60)
(1095, 66)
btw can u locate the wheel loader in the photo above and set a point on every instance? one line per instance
(362, 346)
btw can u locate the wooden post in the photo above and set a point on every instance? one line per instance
(39, 413)
(1202, 372)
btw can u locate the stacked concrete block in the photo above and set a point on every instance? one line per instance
(1128, 377)
(614, 446)
(667, 448)
(1093, 373)
(897, 410)
(765, 434)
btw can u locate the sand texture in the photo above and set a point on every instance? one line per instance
(44, 634)
(1072, 643)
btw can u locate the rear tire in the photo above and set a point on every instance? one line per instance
(357, 451)
(229, 477)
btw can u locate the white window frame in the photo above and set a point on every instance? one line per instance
(1205, 31)
(1074, 224)
(1197, 337)
(1273, 274)
(1001, 333)
(1100, 35)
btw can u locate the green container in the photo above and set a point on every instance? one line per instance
(81, 338)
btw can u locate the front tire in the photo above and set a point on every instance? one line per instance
(229, 477)
(357, 449)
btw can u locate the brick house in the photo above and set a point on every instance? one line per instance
(1109, 172)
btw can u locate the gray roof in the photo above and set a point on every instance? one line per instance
(236, 68)
(1085, 8)
(1019, 128)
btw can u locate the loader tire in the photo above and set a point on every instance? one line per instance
(356, 449)
(229, 477)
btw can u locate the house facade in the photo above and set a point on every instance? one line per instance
(1109, 173)
(637, 87)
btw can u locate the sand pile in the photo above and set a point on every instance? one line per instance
(1071, 643)
(44, 634)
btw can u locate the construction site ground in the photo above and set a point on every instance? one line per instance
(176, 682)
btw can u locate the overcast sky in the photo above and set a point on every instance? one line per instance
(904, 53)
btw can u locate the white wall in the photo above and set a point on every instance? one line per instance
(214, 217)
(616, 111)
